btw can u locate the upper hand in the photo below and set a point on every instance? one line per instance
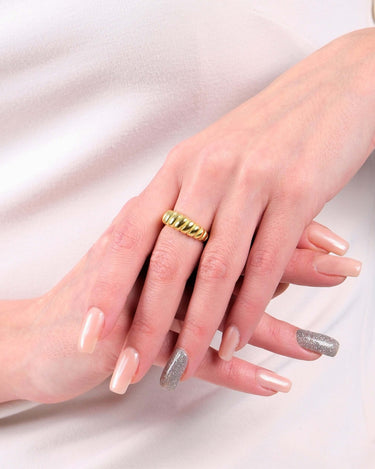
(255, 179)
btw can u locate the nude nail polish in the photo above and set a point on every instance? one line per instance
(126, 368)
(91, 330)
(316, 342)
(333, 265)
(174, 369)
(326, 239)
(229, 343)
(272, 381)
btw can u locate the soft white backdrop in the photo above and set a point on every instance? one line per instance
(92, 97)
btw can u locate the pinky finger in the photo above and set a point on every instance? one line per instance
(237, 374)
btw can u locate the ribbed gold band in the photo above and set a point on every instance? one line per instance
(181, 223)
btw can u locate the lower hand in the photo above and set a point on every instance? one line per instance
(40, 336)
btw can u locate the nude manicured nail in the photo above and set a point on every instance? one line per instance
(91, 329)
(272, 381)
(174, 369)
(229, 343)
(126, 368)
(343, 266)
(326, 239)
(316, 342)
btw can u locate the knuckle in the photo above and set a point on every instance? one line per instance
(176, 153)
(230, 371)
(216, 158)
(262, 261)
(145, 327)
(296, 197)
(196, 330)
(213, 266)
(275, 332)
(128, 208)
(164, 263)
(297, 191)
(260, 158)
(126, 235)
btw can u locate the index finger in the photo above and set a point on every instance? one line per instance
(131, 240)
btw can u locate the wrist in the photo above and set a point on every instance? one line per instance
(15, 320)
(359, 50)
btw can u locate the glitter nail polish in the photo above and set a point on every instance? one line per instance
(317, 342)
(174, 369)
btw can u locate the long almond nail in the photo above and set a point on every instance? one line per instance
(91, 329)
(126, 368)
(272, 381)
(174, 369)
(229, 343)
(316, 342)
(333, 265)
(326, 239)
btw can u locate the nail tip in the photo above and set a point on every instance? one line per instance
(332, 352)
(120, 392)
(167, 386)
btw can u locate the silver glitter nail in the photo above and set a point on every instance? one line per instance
(174, 369)
(317, 342)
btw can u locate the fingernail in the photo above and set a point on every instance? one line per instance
(332, 265)
(326, 239)
(229, 343)
(174, 369)
(91, 329)
(317, 342)
(272, 381)
(126, 367)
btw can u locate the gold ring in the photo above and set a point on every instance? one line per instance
(181, 223)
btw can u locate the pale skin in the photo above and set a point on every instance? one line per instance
(39, 360)
(255, 180)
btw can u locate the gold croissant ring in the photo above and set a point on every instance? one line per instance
(181, 223)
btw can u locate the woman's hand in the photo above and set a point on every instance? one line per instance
(39, 360)
(254, 179)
